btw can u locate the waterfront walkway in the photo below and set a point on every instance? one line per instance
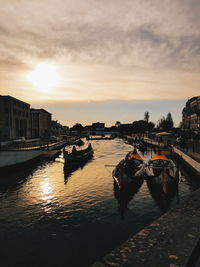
(171, 241)
(190, 153)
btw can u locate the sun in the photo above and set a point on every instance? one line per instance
(44, 77)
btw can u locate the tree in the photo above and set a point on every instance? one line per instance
(169, 120)
(146, 116)
(151, 125)
(166, 123)
(77, 127)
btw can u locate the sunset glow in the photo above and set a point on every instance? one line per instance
(44, 77)
(60, 54)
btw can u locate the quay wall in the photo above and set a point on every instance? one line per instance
(193, 163)
(168, 242)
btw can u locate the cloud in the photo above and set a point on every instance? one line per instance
(145, 33)
(110, 49)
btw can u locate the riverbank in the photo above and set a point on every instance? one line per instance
(169, 241)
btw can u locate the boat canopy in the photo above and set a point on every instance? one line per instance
(133, 155)
(161, 157)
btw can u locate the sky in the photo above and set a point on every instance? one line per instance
(108, 60)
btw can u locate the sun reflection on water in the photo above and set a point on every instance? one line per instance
(46, 190)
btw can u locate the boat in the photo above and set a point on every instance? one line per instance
(19, 156)
(79, 142)
(100, 138)
(77, 157)
(128, 169)
(162, 170)
(16, 158)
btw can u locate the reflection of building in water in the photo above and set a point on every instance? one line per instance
(14, 118)
(125, 194)
(162, 199)
(191, 114)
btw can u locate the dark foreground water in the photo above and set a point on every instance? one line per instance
(48, 218)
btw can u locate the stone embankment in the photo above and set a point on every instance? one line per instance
(192, 161)
(168, 242)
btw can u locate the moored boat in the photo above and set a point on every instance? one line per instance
(12, 159)
(128, 169)
(100, 138)
(162, 170)
(18, 156)
(79, 142)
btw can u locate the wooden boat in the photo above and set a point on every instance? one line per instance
(76, 157)
(129, 169)
(162, 170)
(79, 142)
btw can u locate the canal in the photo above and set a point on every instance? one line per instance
(50, 218)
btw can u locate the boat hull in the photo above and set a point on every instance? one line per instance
(11, 161)
(125, 176)
(14, 157)
(77, 158)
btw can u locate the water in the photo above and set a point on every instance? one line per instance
(48, 218)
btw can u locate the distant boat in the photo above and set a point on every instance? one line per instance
(100, 138)
(79, 142)
(129, 169)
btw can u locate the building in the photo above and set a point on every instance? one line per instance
(58, 129)
(14, 118)
(191, 114)
(98, 126)
(40, 123)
